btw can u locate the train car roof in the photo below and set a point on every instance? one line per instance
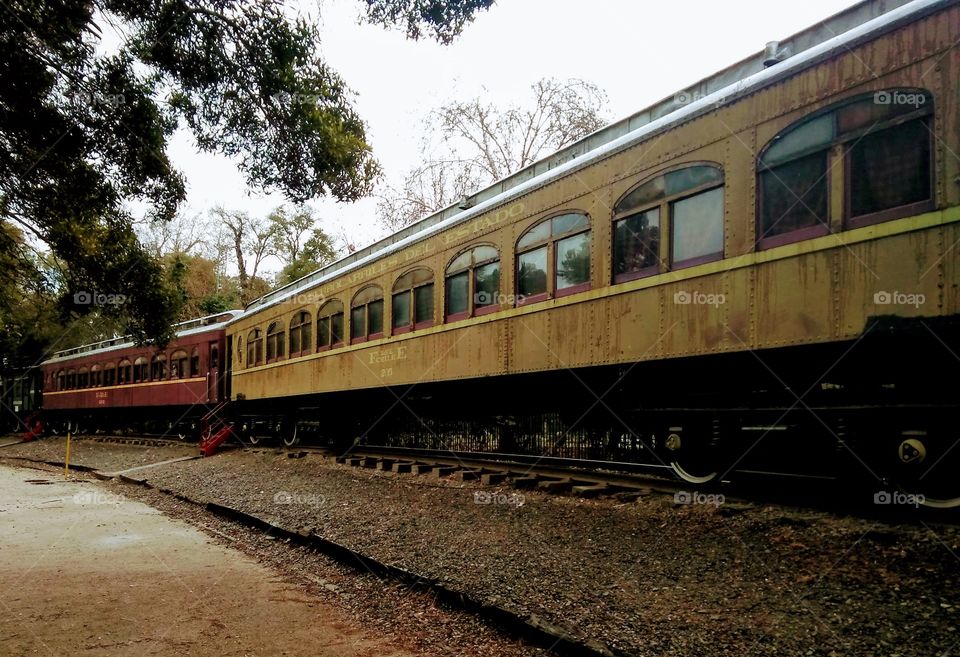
(184, 329)
(836, 34)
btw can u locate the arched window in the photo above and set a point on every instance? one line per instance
(125, 371)
(330, 325)
(301, 339)
(240, 350)
(158, 367)
(553, 258)
(413, 301)
(61, 380)
(880, 147)
(96, 376)
(71, 379)
(109, 374)
(195, 362)
(366, 314)
(686, 204)
(473, 283)
(254, 347)
(178, 364)
(276, 339)
(83, 378)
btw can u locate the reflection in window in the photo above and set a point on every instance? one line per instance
(553, 257)
(636, 245)
(883, 142)
(692, 199)
(473, 283)
(366, 314)
(412, 305)
(697, 223)
(195, 362)
(330, 325)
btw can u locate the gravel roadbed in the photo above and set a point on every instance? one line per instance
(412, 620)
(103, 456)
(646, 577)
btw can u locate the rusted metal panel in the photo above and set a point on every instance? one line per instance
(787, 296)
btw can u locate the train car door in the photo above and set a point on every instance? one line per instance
(228, 368)
(213, 376)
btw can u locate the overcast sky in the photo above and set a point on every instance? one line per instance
(637, 52)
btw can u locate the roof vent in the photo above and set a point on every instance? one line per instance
(465, 203)
(773, 54)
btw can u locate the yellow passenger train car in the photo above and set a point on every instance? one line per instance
(766, 263)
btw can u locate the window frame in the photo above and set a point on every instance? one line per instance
(880, 216)
(109, 375)
(550, 241)
(124, 365)
(367, 335)
(255, 341)
(666, 224)
(328, 318)
(301, 319)
(178, 361)
(839, 150)
(276, 338)
(411, 294)
(472, 309)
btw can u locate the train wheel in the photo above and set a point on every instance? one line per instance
(289, 434)
(691, 460)
(927, 471)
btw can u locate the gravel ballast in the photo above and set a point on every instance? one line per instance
(647, 577)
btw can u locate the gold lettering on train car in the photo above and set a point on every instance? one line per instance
(388, 355)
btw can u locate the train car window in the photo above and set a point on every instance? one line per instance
(83, 378)
(276, 339)
(691, 200)
(71, 379)
(366, 314)
(300, 337)
(125, 371)
(883, 142)
(109, 374)
(195, 362)
(553, 258)
(472, 283)
(158, 367)
(178, 364)
(697, 225)
(61, 380)
(254, 347)
(96, 373)
(330, 325)
(412, 306)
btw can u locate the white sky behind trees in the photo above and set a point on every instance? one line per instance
(637, 52)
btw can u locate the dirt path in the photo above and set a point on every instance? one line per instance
(84, 571)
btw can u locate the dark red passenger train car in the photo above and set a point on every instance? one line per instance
(119, 387)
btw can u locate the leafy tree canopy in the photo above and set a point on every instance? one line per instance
(84, 130)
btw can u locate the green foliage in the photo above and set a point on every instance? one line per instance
(442, 20)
